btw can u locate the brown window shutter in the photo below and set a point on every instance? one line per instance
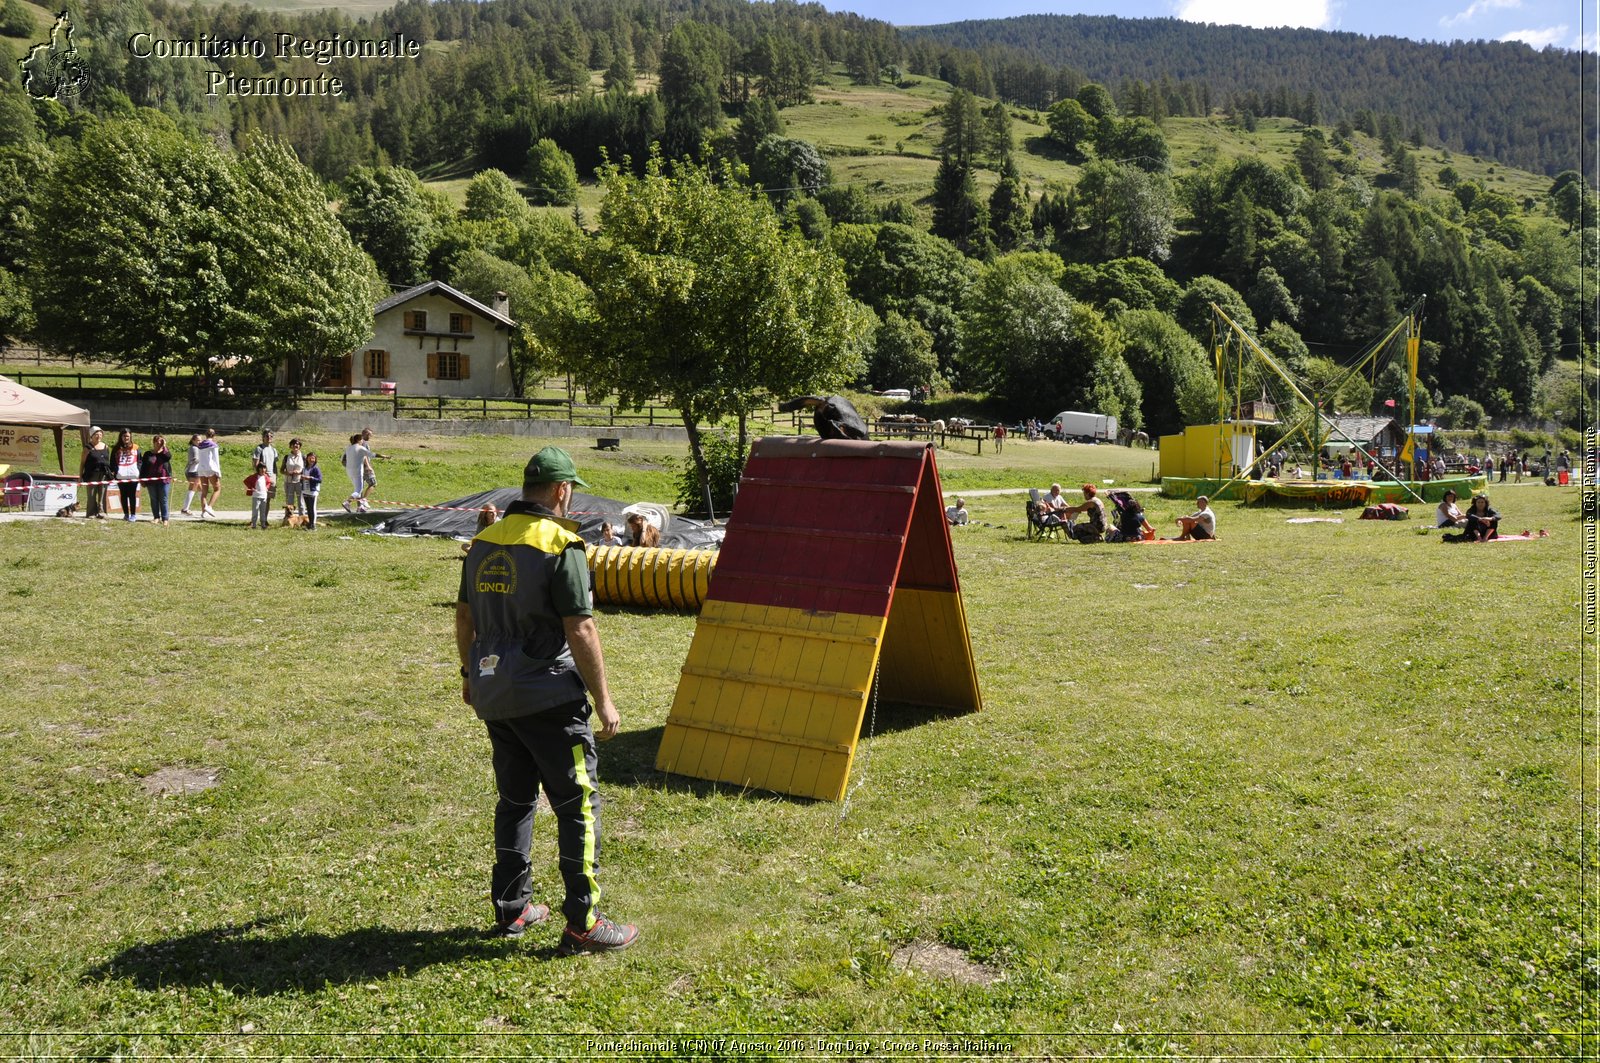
(410, 319)
(383, 363)
(466, 366)
(433, 367)
(344, 370)
(466, 325)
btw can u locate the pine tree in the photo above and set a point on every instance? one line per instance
(958, 214)
(1008, 210)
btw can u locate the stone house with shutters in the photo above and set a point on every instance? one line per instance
(432, 340)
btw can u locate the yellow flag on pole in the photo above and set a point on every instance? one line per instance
(1412, 344)
(1405, 451)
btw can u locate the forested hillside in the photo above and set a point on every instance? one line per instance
(1500, 99)
(1062, 252)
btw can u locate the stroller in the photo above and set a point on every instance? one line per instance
(1130, 525)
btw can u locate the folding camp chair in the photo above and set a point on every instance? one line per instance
(1037, 527)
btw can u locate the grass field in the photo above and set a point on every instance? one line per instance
(1310, 791)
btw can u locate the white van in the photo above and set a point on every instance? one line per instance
(903, 394)
(1088, 427)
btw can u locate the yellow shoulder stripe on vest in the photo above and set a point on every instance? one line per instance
(520, 529)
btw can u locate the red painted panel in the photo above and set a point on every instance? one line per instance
(809, 532)
(930, 562)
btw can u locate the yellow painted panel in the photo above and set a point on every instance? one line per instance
(709, 729)
(927, 652)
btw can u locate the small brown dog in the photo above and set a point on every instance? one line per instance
(291, 519)
(68, 510)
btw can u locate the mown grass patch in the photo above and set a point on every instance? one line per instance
(1312, 788)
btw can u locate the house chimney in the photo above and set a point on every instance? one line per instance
(502, 304)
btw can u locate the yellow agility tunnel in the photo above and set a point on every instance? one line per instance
(652, 576)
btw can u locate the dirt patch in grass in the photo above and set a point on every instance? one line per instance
(176, 780)
(942, 961)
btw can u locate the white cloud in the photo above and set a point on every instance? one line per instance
(1312, 14)
(1586, 42)
(1477, 8)
(1537, 38)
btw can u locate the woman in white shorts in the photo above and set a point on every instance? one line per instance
(209, 466)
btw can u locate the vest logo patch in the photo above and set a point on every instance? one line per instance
(487, 665)
(496, 574)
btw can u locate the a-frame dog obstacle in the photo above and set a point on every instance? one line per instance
(837, 562)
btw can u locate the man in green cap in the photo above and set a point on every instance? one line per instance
(529, 652)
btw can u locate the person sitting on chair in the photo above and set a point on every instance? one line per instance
(1093, 528)
(1201, 524)
(957, 514)
(1053, 507)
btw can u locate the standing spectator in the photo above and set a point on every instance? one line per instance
(267, 454)
(95, 470)
(209, 465)
(357, 458)
(292, 468)
(259, 486)
(369, 472)
(1507, 460)
(999, 438)
(191, 473)
(126, 460)
(1488, 466)
(530, 656)
(310, 488)
(155, 469)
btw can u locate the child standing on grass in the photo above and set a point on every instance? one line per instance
(310, 487)
(191, 472)
(293, 467)
(126, 458)
(259, 487)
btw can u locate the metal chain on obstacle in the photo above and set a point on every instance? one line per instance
(866, 758)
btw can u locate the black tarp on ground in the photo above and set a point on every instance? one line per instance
(460, 519)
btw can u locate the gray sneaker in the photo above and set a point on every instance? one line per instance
(604, 936)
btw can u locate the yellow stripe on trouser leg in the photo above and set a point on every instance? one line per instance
(580, 774)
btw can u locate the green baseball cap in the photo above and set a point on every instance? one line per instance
(551, 465)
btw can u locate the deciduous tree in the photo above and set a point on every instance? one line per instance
(696, 294)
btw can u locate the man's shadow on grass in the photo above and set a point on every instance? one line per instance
(256, 959)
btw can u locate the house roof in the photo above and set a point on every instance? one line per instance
(1354, 429)
(441, 288)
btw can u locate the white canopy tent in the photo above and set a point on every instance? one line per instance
(27, 408)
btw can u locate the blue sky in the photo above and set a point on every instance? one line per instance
(1562, 23)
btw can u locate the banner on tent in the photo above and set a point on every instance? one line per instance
(19, 446)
